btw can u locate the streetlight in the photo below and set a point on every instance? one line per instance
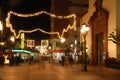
(1, 30)
(75, 50)
(84, 31)
(62, 43)
(1, 27)
(62, 40)
(12, 38)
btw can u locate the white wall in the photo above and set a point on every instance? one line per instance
(109, 5)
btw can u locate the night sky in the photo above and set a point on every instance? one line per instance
(26, 7)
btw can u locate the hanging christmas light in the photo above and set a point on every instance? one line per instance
(9, 25)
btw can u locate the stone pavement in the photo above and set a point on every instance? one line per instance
(57, 72)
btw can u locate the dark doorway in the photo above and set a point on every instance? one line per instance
(99, 48)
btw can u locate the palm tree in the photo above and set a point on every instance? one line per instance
(115, 37)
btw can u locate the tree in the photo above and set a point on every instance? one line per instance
(115, 37)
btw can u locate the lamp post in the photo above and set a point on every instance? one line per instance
(1, 27)
(62, 40)
(84, 31)
(12, 39)
(62, 46)
(75, 50)
(1, 30)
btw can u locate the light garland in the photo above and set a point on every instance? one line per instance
(9, 25)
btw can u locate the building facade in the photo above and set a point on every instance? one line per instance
(64, 8)
(102, 18)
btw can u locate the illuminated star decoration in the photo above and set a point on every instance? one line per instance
(9, 25)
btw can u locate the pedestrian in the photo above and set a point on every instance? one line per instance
(11, 60)
(63, 60)
(42, 62)
(2, 60)
(30, 59)
(66, 62)
(71, 60)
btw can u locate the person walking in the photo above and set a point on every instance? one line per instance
(42, 62)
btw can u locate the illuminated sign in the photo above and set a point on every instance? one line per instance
(30, 43)
(22, 40)
(44, 42)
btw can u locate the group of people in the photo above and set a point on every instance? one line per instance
(14, 60)
(65, 60)
(43, 59)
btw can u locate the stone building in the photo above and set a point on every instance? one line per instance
(103, 18)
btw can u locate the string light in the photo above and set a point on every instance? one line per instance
(9, 25)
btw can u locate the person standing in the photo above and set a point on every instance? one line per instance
(2, 60)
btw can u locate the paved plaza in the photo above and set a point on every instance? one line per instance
(53, 71)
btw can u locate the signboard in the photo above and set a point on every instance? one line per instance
(44, 42)
(22, 36)
(30, 43)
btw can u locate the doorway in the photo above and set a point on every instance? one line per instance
(99, 48)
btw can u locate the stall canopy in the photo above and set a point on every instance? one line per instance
(58, 51)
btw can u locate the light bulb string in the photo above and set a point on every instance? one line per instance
(9, 25)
